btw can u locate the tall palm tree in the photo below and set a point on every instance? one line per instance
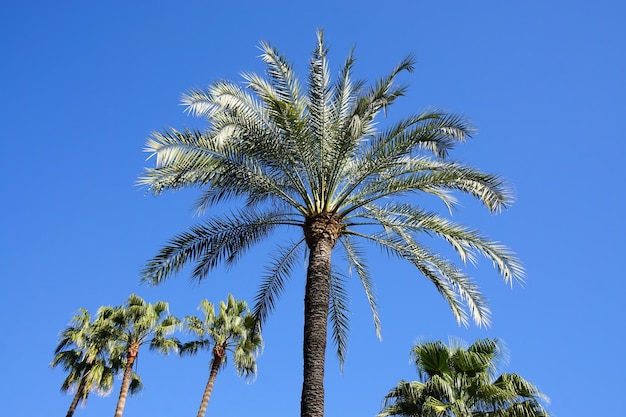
(138, 323)
(82, 351)
(233, 329)
(462, 382)
(86, 351)
(313, 160)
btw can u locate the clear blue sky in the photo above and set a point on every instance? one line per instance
(84, 84)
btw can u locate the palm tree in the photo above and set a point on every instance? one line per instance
(138, 323)
(86, 351)
(462, 382)
(234, 330)
(315, 161)
(82, 351)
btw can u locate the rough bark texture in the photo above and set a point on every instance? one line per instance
(321, 233)
(218, 357)
(133, 351)
(79, 393)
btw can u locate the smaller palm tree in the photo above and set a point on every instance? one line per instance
(85, 351)
(82, 352)
(462, 382)
(137, 323)
(234, 329)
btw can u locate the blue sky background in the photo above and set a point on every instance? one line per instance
(84, 84)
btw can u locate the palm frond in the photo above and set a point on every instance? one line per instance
(457, 288)
(338, 314)
(464, 240)
(218, 239)
(382, 94)
(432, 177)
(319, 122)
(356, 260)
(274, 279)
(282, 75)
(432, 130)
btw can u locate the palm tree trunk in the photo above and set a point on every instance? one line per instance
(133, 351)
(79, 393)
(321, 233)
(215, 367)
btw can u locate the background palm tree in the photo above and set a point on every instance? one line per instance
(82, 351)
(462, 382)
(137, 323)
(86, 351)
(233, 329)
(315, 161)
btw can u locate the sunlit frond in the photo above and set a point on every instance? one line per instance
(464, 240)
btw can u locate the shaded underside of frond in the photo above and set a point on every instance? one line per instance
(273, 281)
(218, 239)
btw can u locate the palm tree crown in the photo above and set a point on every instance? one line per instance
(88, 351)
(83, 351)
(313, 160)
(138, 323)
(233, 330)
(462, 382)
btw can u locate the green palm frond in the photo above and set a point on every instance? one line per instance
(87, 352)
(232, 329)
(406, 399)
(464, 240)
(457, 288)
(356, 261)
(283, 78)
(338, 315)
(218, 239)
(194, 346)
(274, 279)
(432, 130)
(381, 95)
(432, 177)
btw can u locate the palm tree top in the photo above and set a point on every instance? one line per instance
(461, 380)
(312, 157)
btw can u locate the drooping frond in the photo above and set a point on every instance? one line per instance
(216, 240)
(338, 315)
(464, 240)
(431, 177)
(273, 281)
(456, 287)
(356, 261)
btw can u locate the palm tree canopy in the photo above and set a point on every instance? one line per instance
(87, 350)
(137, 323)
(233, 329)
(83, 351)
(456, 381)
(311, 157)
